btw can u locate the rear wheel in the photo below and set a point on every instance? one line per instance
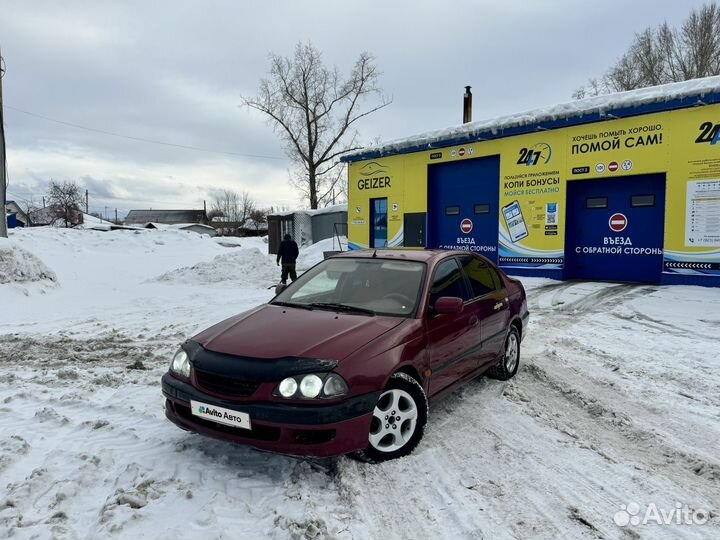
(398, 421)
(510, 360)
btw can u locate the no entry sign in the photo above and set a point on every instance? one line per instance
(618, 222)
(466, 225)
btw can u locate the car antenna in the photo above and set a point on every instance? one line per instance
(375, 254)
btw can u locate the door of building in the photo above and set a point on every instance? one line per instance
(615, 229)
(463, 205)
(378, 223)
(414, 229)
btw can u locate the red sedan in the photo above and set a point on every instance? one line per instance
(347, 358)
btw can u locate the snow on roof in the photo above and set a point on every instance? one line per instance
(581, 107)
(138, 217)
(327, 210)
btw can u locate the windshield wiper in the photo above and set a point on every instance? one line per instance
(342, 307)
(291, 304)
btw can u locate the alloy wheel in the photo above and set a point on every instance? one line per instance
(394, 420)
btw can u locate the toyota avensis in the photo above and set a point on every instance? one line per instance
(346, 358)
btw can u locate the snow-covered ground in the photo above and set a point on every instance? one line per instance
(616, 402)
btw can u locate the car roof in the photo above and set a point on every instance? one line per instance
(420, 255)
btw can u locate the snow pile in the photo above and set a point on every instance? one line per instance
(246, 265)
(18, 265)
(313, 254)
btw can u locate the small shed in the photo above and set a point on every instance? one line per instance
(307, 226)
(15, 215)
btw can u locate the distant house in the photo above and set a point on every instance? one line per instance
(166, 217)
(49, 216)
(249, 227)
(307, 226)
(198, 228)
(15, 215)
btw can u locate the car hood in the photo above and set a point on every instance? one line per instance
(277, 332)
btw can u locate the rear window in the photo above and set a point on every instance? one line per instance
(483, 278)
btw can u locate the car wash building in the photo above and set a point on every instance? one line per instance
(624, 187)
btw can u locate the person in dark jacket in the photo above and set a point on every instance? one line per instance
(287, 254)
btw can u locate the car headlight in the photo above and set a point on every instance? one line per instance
(312, 386)
(288, 387)
(180, 364)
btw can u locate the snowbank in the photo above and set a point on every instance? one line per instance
(244, 265)
(313, 254)
(18, 265)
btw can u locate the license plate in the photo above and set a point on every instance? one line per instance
(220, 415)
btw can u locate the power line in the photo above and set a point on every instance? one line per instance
(140, 139)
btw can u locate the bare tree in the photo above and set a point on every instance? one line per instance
(65, 201)
(665, 54)
(259, 217)
(314, 109)
(234, 209)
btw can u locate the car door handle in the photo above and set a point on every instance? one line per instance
(473, 321)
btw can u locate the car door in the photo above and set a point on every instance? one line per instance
(451, 338)
(490, 302)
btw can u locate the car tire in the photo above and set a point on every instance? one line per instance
(399, 420)
(509, 362)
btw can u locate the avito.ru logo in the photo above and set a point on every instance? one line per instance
(681, 514)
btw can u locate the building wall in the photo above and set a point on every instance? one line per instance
(323, 225)
(535, 170)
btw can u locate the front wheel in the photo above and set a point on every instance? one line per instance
(398, 421)
(510, 360)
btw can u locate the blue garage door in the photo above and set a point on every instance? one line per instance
(463, 205)
(615, 229)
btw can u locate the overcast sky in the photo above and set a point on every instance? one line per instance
(175, 71)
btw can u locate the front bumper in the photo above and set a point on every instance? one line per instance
(321, 430)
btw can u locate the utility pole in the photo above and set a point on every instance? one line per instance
(116, 220)
(87, 202)
(3, 166)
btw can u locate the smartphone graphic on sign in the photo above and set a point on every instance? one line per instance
(515, 221)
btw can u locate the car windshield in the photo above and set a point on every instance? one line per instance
(361, 285)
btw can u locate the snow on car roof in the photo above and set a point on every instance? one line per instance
(592, 109)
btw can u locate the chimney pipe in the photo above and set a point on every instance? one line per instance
(467, 105)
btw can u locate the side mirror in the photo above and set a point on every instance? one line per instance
(280, 287)
(448, 305)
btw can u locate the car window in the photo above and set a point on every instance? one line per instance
(321, 283)
(382, 286)
(448, 281)
(483, 278)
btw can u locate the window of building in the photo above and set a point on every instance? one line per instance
(642, 200)
(596, 202)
